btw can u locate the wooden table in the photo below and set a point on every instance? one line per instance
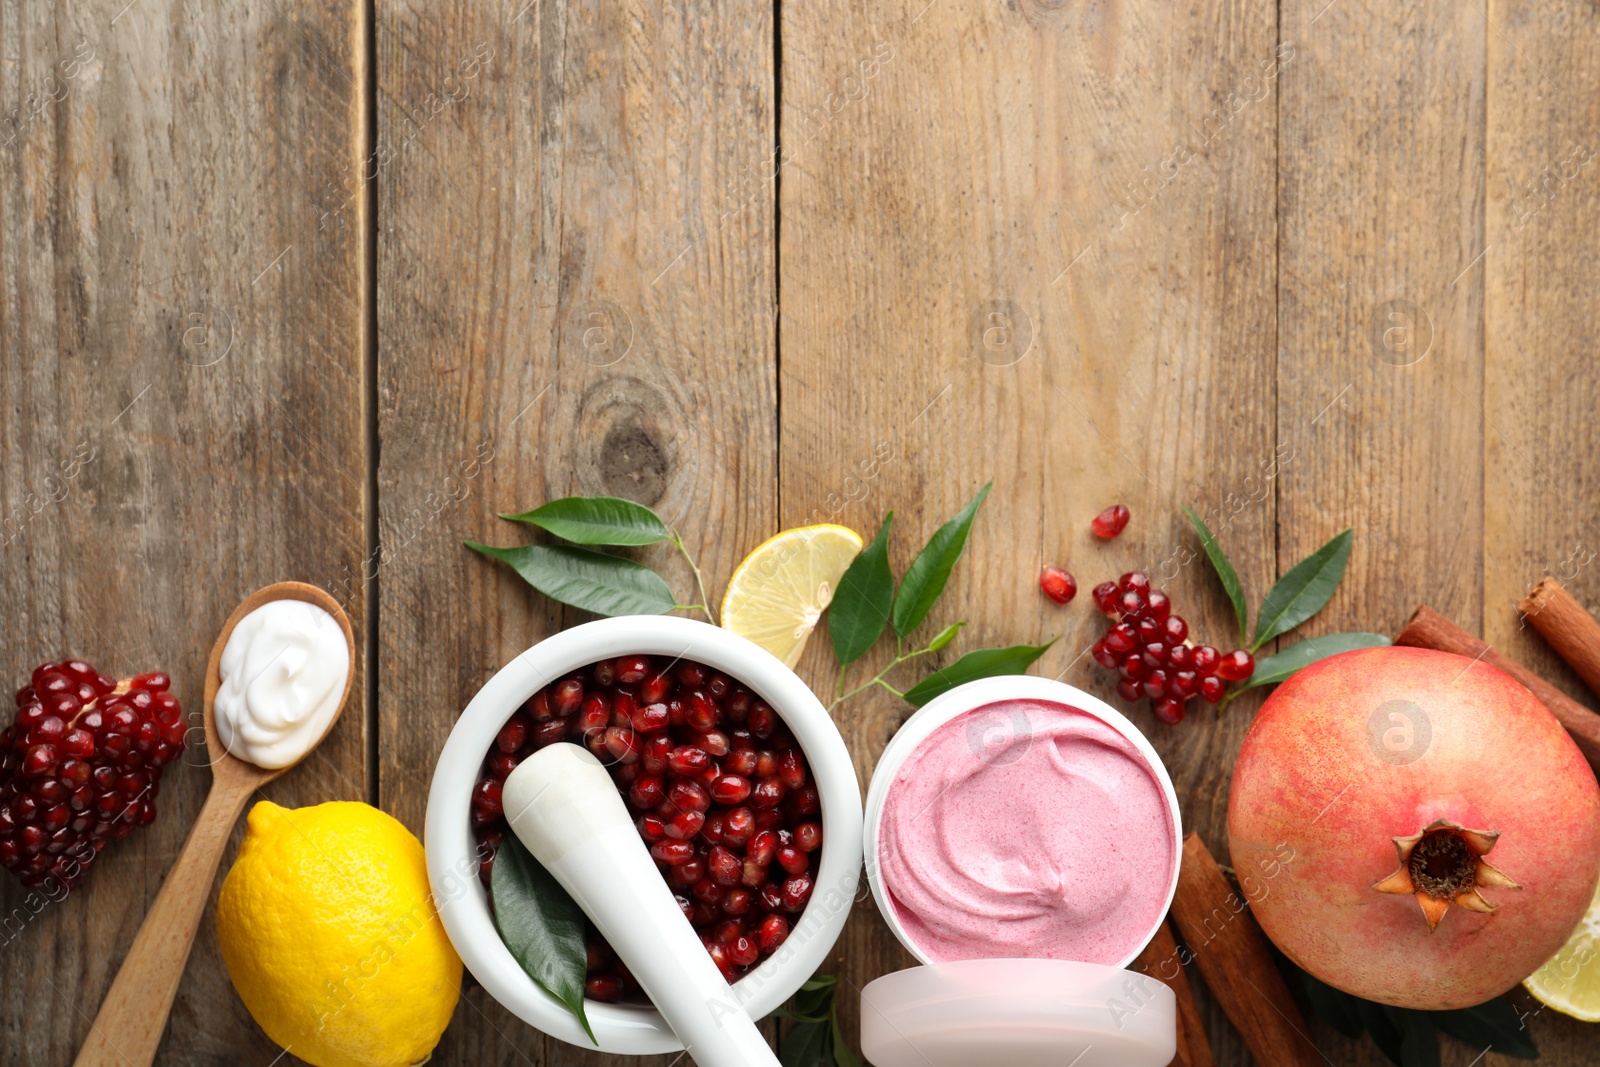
(312, 290)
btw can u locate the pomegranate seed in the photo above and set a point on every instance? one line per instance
(631, 669)
(1211, 689)
(688, 796)
(1236, 666)
(648, 718)
(791, 859)
(1175, 629)
(1185, 683)
(762, 848)
(684, 825)
(1105, 597)
(1121, 638)
(1181, 658)
(724, 867)
(796, 891)
(673, 853)
(715, 743)
(730, 789)
(726, 930)
(591, 721)
(1130, 605)
(38, 760)
(738, 827)
(486, 799)
(737, 706)
(647, 791)
(1104, 655)
(773, 932)
(1129, 689)
(152, 680)
(700, 712)
(1157, 605)
(1134, 582)
(567, 697)
(768, 793)
(1206, 659)
(1133, 666)
(743, 951)
(606, 988)
(623, 744)
(791, 769)
(653, 688)
(656, 751)
(651, 828)
(512, 735)
(690, 673)
(805, 801)
(771, 896)
(737, 900)
(718, 686)
(706, 891)
(1154, 655)
(1155, 685)
(1110, 522)
(1058, 585)
(688, 760)
(539, 706)
(716, 822)
(604, 674)
(548, 733)
(766, 764)
(808, 836)
(1169, 710)
(762, 720)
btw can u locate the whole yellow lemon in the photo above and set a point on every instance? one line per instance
(331, 938)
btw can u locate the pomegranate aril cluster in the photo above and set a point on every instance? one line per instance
(1149, 648)
(720, 791)
(81, 766)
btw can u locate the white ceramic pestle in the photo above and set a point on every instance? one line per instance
(565, 808)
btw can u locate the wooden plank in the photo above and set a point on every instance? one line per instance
(577, 297)
(1542, 499)
(1034, 243)
(181, 400)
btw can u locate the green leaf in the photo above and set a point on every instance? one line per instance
(1302, 592)
(1419, 1044)
(946, 635)
(541, 925)
(860, 607)
(843, 1054)
(803, 1045)
(1275, 668)
(593, 581)
(1224, 569)
(1495, 1025)
(597, 520)
(1334, 1006)
(981, 663)
(925, 579)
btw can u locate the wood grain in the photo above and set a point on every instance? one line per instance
(1034, 243)
(180, 414)
(576, 296)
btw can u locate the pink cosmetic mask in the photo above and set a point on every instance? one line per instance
(1026, 828)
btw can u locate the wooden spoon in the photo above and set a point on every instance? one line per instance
(134, 1014)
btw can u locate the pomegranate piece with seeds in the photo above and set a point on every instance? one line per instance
(81, 765)
(720, 792)
(1154, 654)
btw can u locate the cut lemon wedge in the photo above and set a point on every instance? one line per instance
(1570, 981)
(778, 593)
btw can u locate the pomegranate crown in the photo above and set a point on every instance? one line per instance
(1442, 864)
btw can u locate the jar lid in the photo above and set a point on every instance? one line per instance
(1018, 1012)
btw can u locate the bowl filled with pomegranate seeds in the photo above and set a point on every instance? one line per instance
(741, 788)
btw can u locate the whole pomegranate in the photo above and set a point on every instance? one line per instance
(1413, 827)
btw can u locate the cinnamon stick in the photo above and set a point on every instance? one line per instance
(1571, 631)
(1236, 962)
(1428, 629)
(1161, 961)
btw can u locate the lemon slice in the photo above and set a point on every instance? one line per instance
(778, 593)
(1570, 981)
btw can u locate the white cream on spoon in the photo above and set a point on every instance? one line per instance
(283, 673)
